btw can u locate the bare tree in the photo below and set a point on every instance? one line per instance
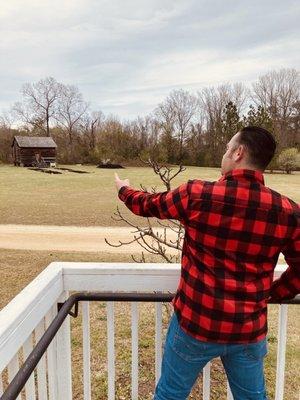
(213, 102)
(90, 127)
(141, 128)
(175, 115)
(279, 93)
(39, 104)
(71, 109)
(155, 240)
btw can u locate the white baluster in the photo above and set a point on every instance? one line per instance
(41, 367)
(158, 340)
(63, 358)
(134, 351)
(111, 350)
(281, 349)
(229, 393)
(13, 368)
(86, 350)
(51, 358)
(206, 381)
(1, 385)
(30, 385)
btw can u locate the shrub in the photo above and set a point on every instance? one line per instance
(289, 160)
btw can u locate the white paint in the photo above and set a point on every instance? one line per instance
(41, 367)
(281, 349)
(206, 381)
(21, 316)
(63, 358)
(51, 357)
(134, 351)
(1, 386)
(229, 393)
(111, 350)
(30, 385)
(13, 368)
(86, 351)
(158, 341)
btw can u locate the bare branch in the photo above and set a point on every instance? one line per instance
(159, 242)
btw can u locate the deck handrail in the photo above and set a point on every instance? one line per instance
(19, 381)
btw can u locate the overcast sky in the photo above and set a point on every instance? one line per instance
(127, 55)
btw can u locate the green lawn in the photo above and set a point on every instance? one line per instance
(30, 197)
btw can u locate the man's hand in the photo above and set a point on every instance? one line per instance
(120, 183)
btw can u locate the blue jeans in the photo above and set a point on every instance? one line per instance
(185, 357)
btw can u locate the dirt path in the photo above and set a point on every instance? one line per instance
(67, 238)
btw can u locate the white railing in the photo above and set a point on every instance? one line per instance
(24, 320)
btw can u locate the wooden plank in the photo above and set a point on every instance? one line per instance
(134, 351)
(51, 357)
(125, 276)
(206, 381)
(120, 277)
(30, 385)
(13, 368)
(86, 351)
(158, 341)
(229, 393)
(281, 350)
(41, 367)
(1, 385)
(23, 313)
(63, 358)
(111, 350)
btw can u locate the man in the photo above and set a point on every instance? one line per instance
(235, 229)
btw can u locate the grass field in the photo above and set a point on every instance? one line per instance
(18, 268)
(29, 197)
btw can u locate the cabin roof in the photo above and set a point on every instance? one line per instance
(35, 141)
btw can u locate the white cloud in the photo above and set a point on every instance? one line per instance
(126, 56)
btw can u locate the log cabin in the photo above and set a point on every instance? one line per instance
(34, 151)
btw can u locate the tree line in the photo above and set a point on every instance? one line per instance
(185, 128)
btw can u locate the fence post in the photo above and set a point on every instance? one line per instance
(63, 357)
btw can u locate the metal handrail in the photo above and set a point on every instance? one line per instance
(64, 309)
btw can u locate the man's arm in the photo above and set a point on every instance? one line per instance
(167, 205)
(288, 285)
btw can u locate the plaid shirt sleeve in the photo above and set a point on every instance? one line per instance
(167, 205)
(288, 285)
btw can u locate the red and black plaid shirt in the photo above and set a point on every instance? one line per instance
(235, 229)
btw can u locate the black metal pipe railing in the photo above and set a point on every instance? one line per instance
(18, 382)
(64, 309)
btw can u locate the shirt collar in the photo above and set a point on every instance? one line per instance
(243, 174)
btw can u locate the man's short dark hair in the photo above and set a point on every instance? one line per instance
(260, 145)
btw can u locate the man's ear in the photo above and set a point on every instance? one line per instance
(239, 153)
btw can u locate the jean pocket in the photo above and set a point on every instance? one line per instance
(187, 347)
(256, 351)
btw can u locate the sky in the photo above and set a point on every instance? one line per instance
(126, 56)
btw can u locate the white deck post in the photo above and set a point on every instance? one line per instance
(229, 393)
(281, 349)
(206, 381)
(134, 351)
(1, 384)
(86, 350)
(158, 341)
(41, 367)
(51, 358)
(63, 358)
(13, 368)
(111, 349)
